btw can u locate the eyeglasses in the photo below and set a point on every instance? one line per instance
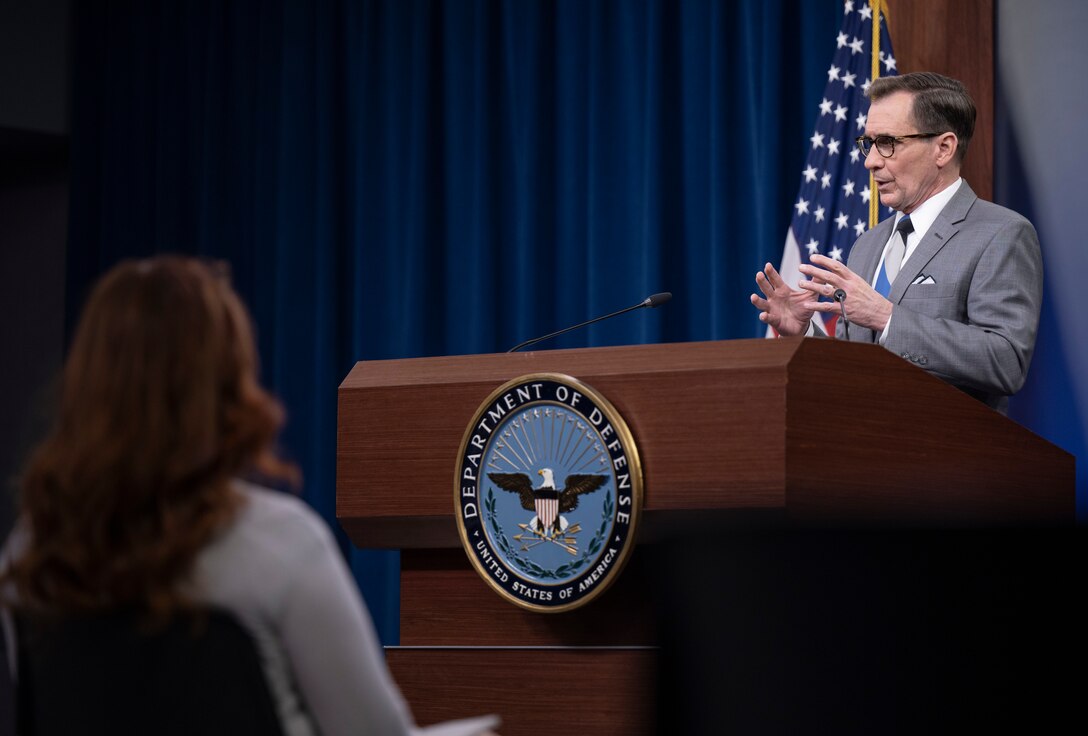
(885, 144)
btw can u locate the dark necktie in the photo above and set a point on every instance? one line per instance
(894, 259)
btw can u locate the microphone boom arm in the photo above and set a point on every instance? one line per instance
(650, 301)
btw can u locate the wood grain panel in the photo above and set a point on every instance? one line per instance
(597, 692)
(805, 426)
(444, 601)
(955, 38)
(912, 451)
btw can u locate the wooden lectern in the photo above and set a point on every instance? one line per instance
(746, 434)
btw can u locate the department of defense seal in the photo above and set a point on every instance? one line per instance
(548, 492)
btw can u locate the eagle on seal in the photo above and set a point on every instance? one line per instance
(546, 500)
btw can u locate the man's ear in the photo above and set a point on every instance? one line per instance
(947, 146)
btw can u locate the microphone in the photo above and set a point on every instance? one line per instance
(840, 297)
(654, 300)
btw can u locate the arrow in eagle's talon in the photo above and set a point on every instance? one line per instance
(534, 532)
(557, 543)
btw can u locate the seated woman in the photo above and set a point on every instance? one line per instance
(134, 502)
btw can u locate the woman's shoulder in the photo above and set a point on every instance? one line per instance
(281, 518)
(274, 538)
(275, 507)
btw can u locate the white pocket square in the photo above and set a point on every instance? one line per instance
(922, 280)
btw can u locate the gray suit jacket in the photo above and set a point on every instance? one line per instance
(973, 322)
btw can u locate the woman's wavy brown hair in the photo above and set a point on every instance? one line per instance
(160, 409)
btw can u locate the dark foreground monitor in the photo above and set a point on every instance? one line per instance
(863, 632)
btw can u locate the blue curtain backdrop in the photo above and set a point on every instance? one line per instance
(394, 179)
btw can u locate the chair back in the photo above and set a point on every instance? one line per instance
(112, 674)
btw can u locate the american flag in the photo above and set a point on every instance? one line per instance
(832, 206)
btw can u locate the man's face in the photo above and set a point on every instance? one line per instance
(911, 175)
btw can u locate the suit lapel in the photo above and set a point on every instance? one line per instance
(944, 227)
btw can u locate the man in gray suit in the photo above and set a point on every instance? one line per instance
(951, 283)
